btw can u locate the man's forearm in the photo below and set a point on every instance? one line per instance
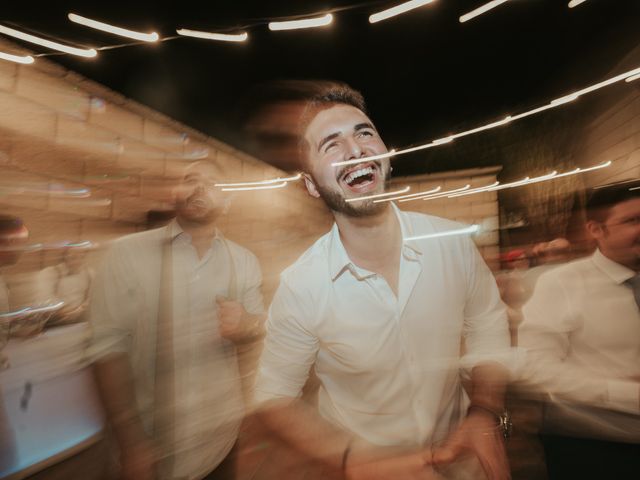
(115, 383)
(300, 426)
(488, 385)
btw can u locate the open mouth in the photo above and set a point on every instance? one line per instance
(360, 177)
(196, 202)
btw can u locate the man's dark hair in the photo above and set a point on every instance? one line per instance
(327, 94)
(602, 199)
(9, 224)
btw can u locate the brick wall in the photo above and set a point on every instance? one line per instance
(60, 130)
(613, 132)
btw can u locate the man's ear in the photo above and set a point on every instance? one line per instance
(311, 186)
(595, 229)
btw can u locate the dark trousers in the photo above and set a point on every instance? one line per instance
(586, 459)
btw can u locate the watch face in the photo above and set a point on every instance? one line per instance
(506, 425)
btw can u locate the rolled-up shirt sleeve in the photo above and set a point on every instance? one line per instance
(113, 306)
(486, 328)
(252, 300)
(290, 347)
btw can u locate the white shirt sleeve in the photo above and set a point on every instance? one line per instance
(252, 300)
(290, 347)
(545, 334)
(486, 327)
(113, 306)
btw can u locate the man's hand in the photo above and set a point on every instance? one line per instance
(235, 323)
(137, 462)
(380, 464)
(477, 435)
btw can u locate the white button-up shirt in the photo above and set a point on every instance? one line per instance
(124, 312)
(389, 367)
(581, 334)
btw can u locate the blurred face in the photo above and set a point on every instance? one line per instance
(197, 198)
(337, 134)
(618, 236)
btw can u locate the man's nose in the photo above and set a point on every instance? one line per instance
(354, 149)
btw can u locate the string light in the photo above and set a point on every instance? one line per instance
(426, 192)
(304, 23)
(105, 27)
(565, 99)
(261, 182)
(448, 233)
(32, 310)
(585, 170)
(466, 190)
(480, 10)
(426, 195)
(84, 244)
(508, 119)
(472, 190)
(528, 181)
(257, 187)
(442, 141)
(575, 3)
(16, 58)
(223, 37)
(397, 10)
(88, 53)
(378, 195)
(326, 19)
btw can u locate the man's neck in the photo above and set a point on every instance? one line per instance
(197, 230)
(201, 234)
(370, 239)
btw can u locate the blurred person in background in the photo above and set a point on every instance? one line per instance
(581, 332)
(509, 280)
(168, 309)
(13, 237)
(546, 256)
(381, 319)
(72, 280)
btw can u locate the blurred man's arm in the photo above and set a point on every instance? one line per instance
(487, 358)
(242, 319)
(115, 384)
(113, 310)
(480, 431)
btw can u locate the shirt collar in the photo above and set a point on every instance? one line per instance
(616, 272)
(339, 260)
(175, 231)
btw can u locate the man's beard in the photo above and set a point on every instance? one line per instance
(199, 216)
(335, 200)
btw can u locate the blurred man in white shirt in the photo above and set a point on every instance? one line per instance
(581, 332)
(167, 309)
(379, 310)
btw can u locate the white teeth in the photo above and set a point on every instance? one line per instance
(358, 173)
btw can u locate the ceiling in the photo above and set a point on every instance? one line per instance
(424, 74)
